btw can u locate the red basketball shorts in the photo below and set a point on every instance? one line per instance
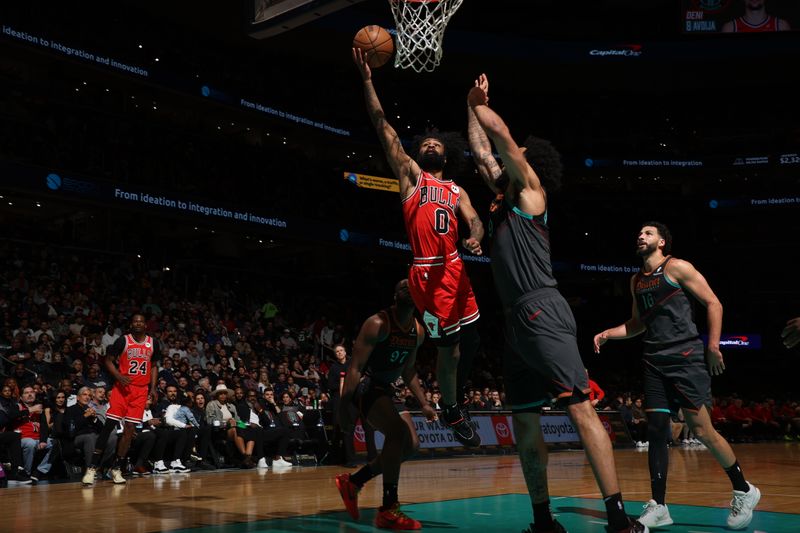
(127, 403)
(444, 297)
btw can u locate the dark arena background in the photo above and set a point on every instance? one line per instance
(211, 165)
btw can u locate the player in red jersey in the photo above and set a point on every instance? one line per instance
(137, 353)
(755, 19)
(437, 279)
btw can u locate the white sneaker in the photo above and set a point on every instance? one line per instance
(160, 468)
(281, 463)
(116, 476)
(88, 477)
(742, 506)
(655, 515)
(686, 442)
(177, 467)
(639, 444)
(262, 463)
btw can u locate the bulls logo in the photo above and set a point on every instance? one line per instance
(147, 345)
(502, 430)
(454, 188)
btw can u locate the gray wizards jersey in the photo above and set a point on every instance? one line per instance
(664, 309)
(520, 251)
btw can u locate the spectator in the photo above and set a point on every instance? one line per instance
(33, 433)
(83, 427)
(203, 442)
(11, 441)
(639, 424)
(222, 415)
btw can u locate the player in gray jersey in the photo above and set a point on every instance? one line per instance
(541, 359)
(676, 367)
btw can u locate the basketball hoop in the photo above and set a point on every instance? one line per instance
(420, 29)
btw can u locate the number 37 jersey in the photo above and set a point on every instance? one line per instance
(136, 358)
(430, 217)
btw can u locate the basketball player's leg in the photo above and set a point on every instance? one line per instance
(117, 411)
(470, 340)
(526, 392)
(543, 332)
(657, 407)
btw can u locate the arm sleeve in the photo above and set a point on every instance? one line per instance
(169, 417)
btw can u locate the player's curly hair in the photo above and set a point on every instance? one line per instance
(546, 161)
(454, 148)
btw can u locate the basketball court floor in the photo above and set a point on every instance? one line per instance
(483, 493)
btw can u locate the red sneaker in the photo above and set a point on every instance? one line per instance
(394, 518)
(349, 493)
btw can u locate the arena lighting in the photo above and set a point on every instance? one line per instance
(140, 47)
(156, 60)
(38, 204)
(138, 256)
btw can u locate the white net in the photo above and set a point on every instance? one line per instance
(420, 29)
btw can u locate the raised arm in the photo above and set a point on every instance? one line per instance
(405, 169)
(470, 216)
(631, 328)
(519, 171)
(693, 281)
(479, 144)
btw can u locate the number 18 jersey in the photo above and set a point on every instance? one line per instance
(135, 358)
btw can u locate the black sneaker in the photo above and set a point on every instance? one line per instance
(20, 478)
(557, 528)
(462, 427)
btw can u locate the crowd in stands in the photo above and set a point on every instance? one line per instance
(235, 379)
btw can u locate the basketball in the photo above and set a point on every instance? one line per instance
(376, 43)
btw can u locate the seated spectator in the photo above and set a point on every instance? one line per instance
(11, 441)
(495, 403)
(476, 402)
(33, 434)
(222, 415)
(596, 394)
(739, 421)
(638, 423)
(203, 439)
(173, 434)
(83, 427)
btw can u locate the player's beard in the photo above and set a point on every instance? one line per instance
(647, 251)
(431, 161)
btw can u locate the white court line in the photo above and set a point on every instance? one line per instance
(596, 522)
(483, 514)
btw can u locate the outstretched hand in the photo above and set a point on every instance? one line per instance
(483, 83)
(360, 59)
(479, 94)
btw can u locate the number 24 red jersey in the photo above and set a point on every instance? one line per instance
(136, 358)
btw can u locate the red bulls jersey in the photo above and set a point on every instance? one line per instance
(769, 24)
(431, 221)
(136, 358)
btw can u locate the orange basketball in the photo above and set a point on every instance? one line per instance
(376, 43)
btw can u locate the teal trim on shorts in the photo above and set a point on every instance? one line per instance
(657, 411)
(666, 278)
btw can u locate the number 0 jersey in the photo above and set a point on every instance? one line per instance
(136, 358)
(664, 309)
(388, 357)
(431, 221)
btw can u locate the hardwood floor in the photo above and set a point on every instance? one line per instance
(176, 501)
